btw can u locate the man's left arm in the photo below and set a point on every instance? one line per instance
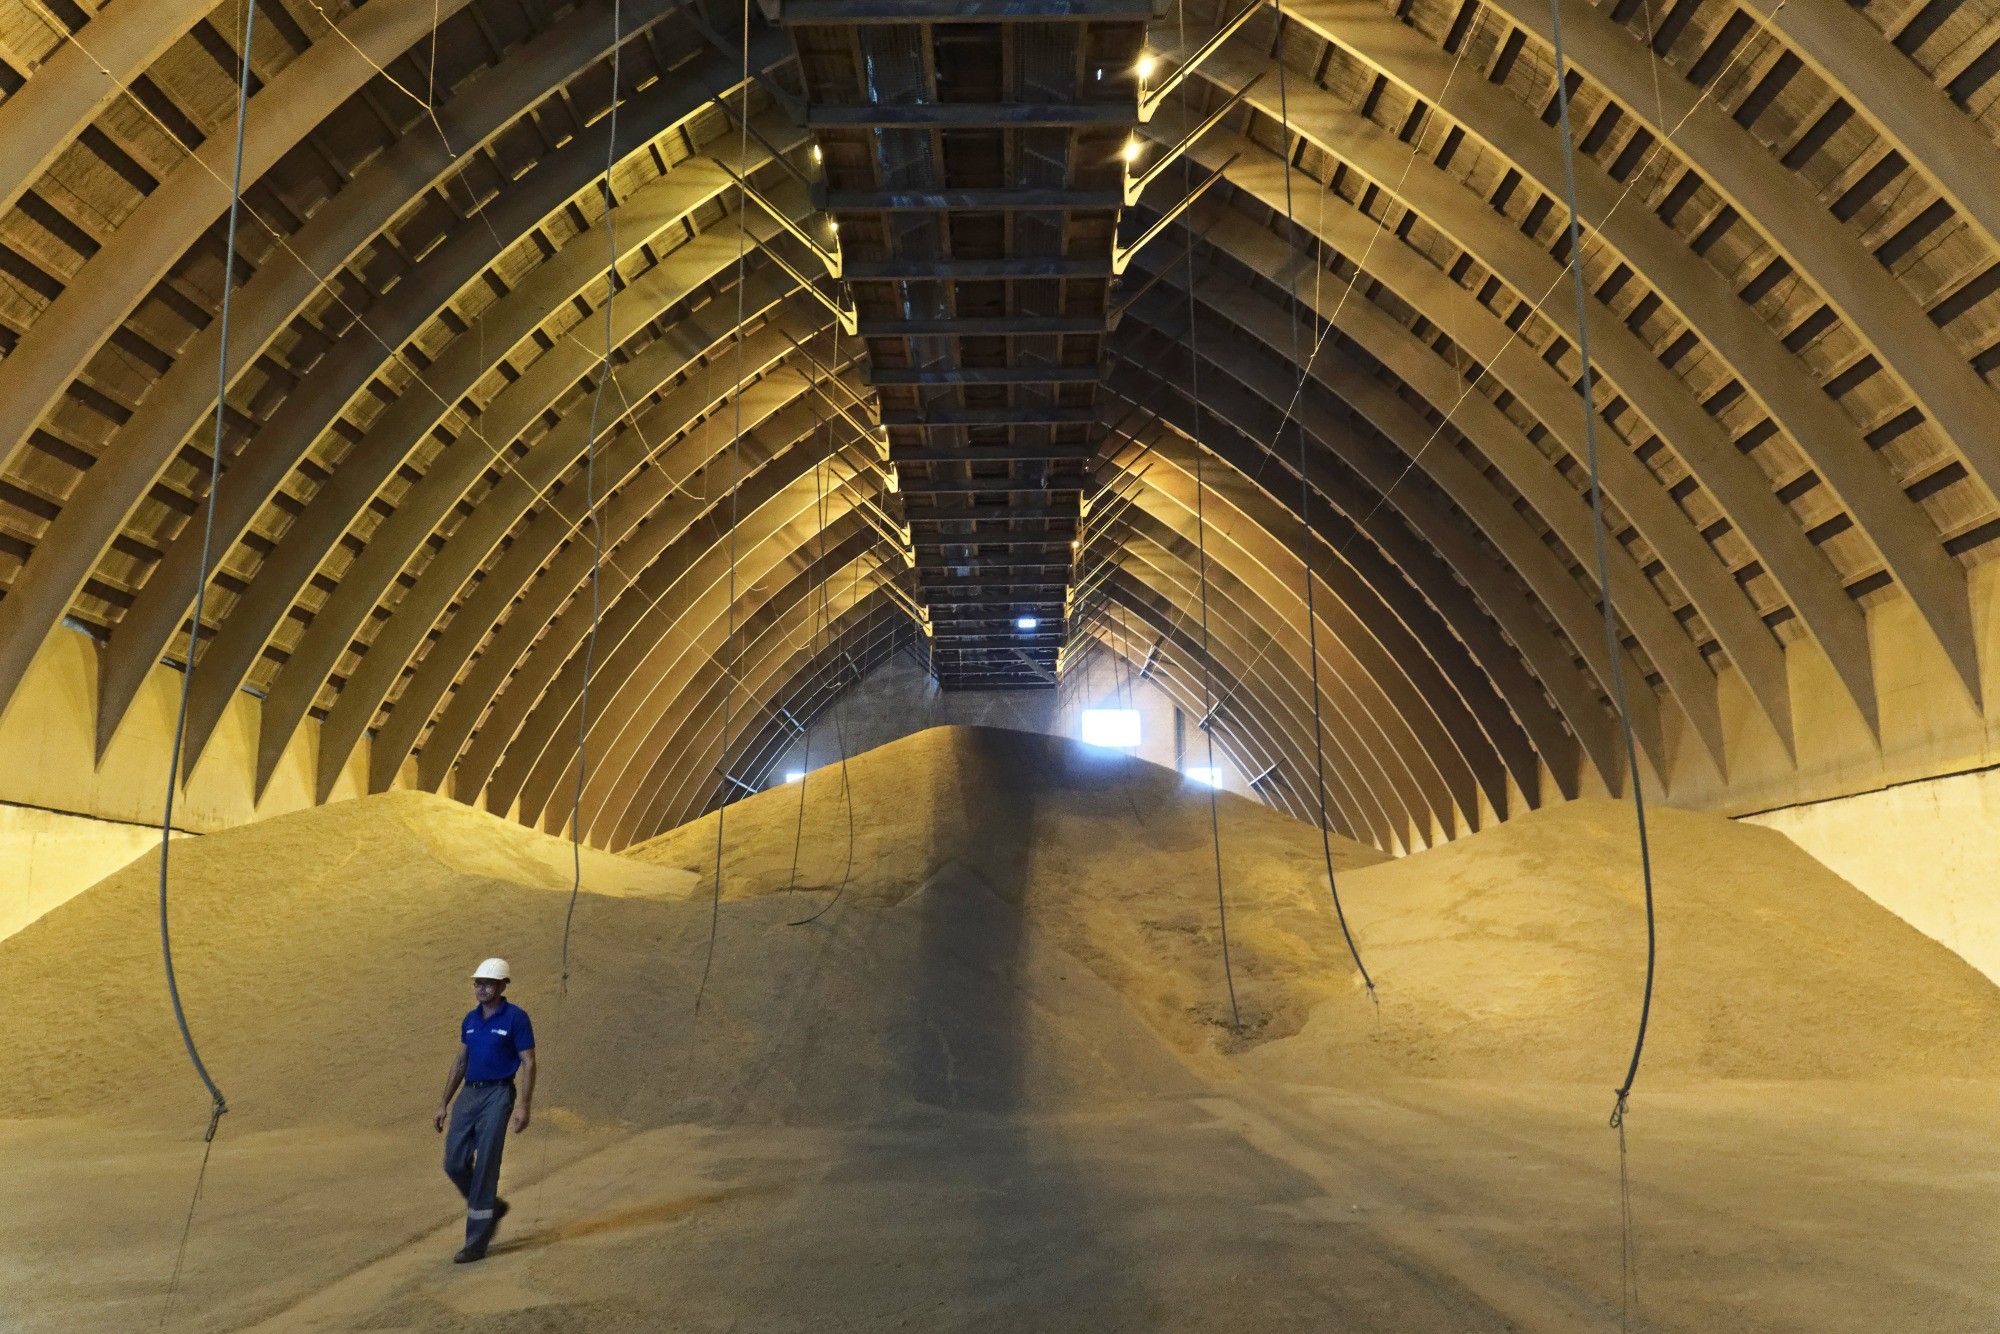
(527, 1093)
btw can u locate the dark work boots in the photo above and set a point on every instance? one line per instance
(474, 1251)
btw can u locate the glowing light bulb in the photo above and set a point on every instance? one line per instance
(833, 225)
(1131, 153)
(1147, 64)
(818, 156)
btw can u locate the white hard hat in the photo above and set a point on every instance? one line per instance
(493, 970)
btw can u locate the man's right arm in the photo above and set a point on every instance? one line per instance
(451, 1083)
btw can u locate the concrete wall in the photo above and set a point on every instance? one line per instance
(48, 857)
(1928, 851)
(898, 698)
(1878, 805)
(1928, 724)
(96, 815)
(48, 741)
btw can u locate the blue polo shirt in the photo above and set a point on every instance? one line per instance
(493, 1046)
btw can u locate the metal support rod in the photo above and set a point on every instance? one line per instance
(783, 96)
(1121, 256)
(847, 317)
(1136, 185)
(1151, 98)
(823, 255)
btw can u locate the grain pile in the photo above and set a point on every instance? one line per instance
(321, 956)
(1023, 924)
(1518, 953)
(1109, 858)
(1514, 953)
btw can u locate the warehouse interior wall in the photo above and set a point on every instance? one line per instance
(68, 818)
(1929, 725)
(48, 753)
(899, 698)
(1924, 850)
(1906, 820)
(49, 857)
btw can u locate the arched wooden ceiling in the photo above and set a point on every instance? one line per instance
(1791, 223)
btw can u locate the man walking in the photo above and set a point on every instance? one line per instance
(495, 1041)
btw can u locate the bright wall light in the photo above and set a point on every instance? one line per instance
(794, 775)
(1204, 773)
(1115, 728)
(1025, 622)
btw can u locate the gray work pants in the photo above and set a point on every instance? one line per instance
(472, 1146)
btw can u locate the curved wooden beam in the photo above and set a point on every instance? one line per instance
(775, 623)
(1363, 802)
(1878, 308)
(529, 596)
(173, 217)
(475, 541)
(692, 597)
(1505, 587)
(1663, 401)
(1891, 92)
(874, 631)
(1909, 544)
(694, 572)
(346, 371)
(1526, 468)
(143, 449)
(1364, 598)
(81, 78)
(1360, 672)
(1416, 552)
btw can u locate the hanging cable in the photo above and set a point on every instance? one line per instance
(840, 740)
(218, 1105)
(1307, 538)
(1664, 142)
(590, 508)
(590, 517)
(1628, 1286)
(1201, 557)
(735, 496)
(1599, 543)
(805, 730)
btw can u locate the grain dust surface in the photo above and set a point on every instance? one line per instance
(975, 1065)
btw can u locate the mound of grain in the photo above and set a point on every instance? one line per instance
(1108, 856)
(1023, 923)
(1519, 953)
(318, 953)
(324, 958)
